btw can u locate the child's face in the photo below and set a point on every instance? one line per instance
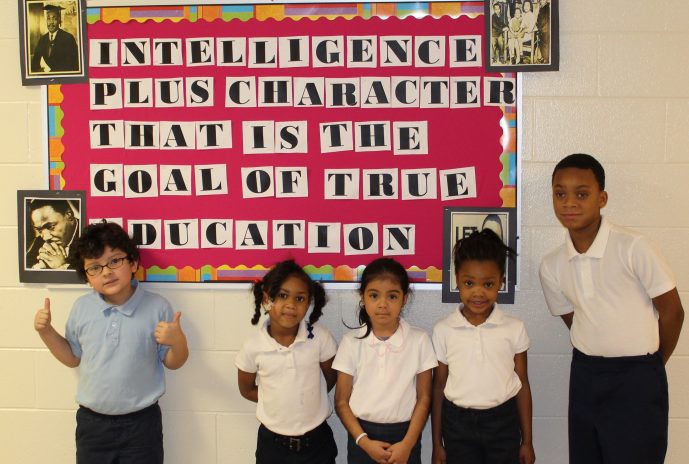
(578, 199)
(289, 306)
(114, 284)
(383, 302)
(478, 283)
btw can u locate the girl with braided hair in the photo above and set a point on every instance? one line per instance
(286, 367)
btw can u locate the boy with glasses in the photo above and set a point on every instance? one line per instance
(120, 336)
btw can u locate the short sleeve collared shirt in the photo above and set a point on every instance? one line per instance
(292, 392)
(121, 368)
(480, 359)
(384, 371)
(610, 289)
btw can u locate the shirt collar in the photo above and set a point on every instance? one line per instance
(458, 320)
(396, 340)
(597, 248)
(271, 344)
(129, 306)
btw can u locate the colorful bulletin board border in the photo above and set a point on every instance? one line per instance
(227, 13)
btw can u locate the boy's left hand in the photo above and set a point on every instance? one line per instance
(526, 454)
(169, 333)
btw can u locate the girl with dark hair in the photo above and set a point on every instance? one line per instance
(286, 368)
(384, 381)
(481, 393)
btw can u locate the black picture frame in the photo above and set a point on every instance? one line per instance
(59, 216)
(533, 47)
(459, 222)
(67, 51)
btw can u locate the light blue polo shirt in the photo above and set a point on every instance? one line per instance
(121, 369)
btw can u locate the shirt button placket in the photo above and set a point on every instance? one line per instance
(478, 348)
(114, 329)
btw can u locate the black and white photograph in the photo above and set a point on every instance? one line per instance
(53, 41)
(521, 35)
(462, 222)
(50, 222)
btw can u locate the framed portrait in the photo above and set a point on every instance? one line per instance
(50, 222)
(521, 35)
(52, 41)
(462, 222)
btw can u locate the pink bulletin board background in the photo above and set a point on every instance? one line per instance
(484, 137)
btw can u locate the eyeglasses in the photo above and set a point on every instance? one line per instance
(114, 263)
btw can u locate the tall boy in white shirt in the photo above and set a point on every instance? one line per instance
(619, 299)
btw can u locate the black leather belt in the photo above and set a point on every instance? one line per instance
(295, 444)
(299, 442)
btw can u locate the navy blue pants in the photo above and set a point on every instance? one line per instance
(135, 438)
(618, 410)
(481, 436)
(316, 446)
(390, 433)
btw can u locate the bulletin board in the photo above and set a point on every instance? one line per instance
(227, 138)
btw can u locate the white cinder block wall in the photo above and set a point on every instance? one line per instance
(621, 94)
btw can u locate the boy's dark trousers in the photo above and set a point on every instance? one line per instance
(316, 446)
(618, 410)
(135, 438)
(390, 433)
(481, 436)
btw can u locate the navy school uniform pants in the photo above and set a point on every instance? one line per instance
(390, 433)
(316, 446)
(134, 438)
(481, 436)
(618, 410)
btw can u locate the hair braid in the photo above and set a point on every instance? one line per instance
(257, 290)
(319, 300)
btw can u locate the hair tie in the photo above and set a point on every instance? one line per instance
(309, 327)
(267, 307)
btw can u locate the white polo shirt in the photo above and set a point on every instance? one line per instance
(292, 392)
(384, 372)
(480, 359)
(610, 289)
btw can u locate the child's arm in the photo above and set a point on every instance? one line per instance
(171, 334)
(568, 319)
(402, 450)
(247, 385)
(329, 373)
(439, 380)
(524, 409)
(377, 450)
(56, 343)
(670, 319)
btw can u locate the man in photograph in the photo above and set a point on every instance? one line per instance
(543, 27)
(55, 225)
(498, 29)
(56, 50)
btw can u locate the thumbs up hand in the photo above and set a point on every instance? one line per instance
(42, 319)
(170, 333)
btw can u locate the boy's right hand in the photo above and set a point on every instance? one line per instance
(42, 320)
